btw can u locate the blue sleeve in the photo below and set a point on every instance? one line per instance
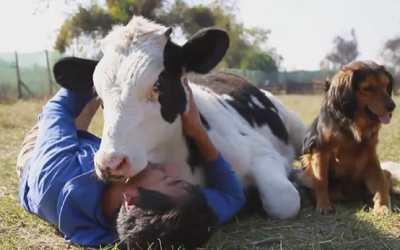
(225, 194)
(57, 121)
(81, 218)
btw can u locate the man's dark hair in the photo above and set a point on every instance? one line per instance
(159, 221)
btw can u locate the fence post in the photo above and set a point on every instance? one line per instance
(49, 73)
(18, 76)
(21, 84)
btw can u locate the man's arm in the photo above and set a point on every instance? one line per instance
(225, 194)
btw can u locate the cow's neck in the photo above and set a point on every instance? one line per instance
(171, 145)
(173, 148)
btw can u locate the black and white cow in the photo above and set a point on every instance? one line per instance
(139, 82)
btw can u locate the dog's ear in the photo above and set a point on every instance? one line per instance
(341, 92)
(389, 88)
(327, 85)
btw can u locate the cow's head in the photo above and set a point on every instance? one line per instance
(139, 82)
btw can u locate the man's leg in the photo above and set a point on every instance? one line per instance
(82, 122)
(26, 149)
(28, 145)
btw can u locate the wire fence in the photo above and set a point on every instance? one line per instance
(29, 75)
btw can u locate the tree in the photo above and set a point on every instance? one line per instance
(391, 51)
(92, 22)
(86, 24)
(190, 19)
(344, 51)
(259, 60)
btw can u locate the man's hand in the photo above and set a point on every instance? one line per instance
(192, 127)
(191, 122)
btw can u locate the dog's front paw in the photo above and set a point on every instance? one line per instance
(324, 207)
(381, 210)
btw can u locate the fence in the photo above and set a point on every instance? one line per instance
(30, 75)
(27, 75)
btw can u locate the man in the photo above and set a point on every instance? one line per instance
(58, 185)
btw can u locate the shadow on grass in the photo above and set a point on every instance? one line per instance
(349, 227)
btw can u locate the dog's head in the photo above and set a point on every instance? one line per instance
(363, 88)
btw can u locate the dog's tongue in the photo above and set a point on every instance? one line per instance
(385, 119)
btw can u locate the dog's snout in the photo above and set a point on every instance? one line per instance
(390, 106)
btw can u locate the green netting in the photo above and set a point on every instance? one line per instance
(34, 73)
(254, 75)
(262, 79)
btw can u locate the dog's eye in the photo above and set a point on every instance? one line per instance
(369, 88)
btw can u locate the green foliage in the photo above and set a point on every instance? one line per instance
(344, 51)
(391, 51)
(123, 10)
(246, 45)
(259, 60)
(90, 21)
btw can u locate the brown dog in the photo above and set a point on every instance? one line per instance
(340, 158)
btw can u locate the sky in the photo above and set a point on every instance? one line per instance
(301, 30)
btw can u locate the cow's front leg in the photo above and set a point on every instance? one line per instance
(280, 198)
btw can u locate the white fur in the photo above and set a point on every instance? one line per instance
(394, 169)
(134, 127)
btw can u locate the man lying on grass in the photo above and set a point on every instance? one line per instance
(155, 207)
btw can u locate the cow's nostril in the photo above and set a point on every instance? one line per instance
(111, 166)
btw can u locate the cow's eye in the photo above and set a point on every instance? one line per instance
(156, 86)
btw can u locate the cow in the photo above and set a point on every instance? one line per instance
(139, 82)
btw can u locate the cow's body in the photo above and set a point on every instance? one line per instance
(260, 137)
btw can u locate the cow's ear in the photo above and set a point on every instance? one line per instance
(75, 74)
(204, 50)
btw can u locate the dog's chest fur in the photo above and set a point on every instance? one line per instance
(349, 157)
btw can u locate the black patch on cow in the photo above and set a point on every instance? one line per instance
(195, 158)
(172, 95)
(204, 122)
(220, 83)
(200, 54)
(222, 103)
(241, 90)
(256, 115)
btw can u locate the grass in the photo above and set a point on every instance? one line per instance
(350, 227)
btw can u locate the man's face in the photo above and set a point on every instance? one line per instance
(164, 179)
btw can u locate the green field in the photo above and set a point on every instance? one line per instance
(351, 227)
